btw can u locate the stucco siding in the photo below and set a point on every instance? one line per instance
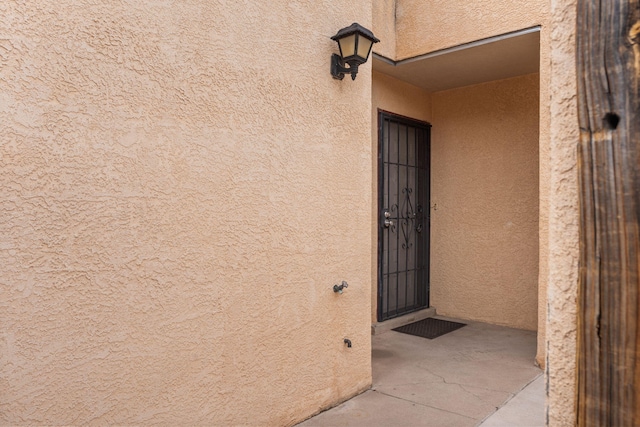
(484, 215)
(398, 97)
(384, 27)
(563, 219)
(180, 187)
(427, 26)
(545, 188)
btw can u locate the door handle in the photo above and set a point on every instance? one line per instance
(387, 222)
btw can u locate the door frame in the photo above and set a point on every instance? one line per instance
(381, 116)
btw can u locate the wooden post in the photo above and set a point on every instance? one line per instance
(608, 71)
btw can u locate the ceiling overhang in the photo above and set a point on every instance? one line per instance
(500, 57)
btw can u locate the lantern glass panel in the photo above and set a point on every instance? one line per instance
(364, 47)
(348, 46)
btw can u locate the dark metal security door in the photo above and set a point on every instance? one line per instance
(403, 237)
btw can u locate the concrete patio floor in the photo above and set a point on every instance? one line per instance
(478, 375)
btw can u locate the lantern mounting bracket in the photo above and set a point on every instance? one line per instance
(338, 70)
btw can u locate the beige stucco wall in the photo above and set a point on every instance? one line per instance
(180, 187)
(384, 27)
(544, 187)
(426, 26)
(396, 96)
(563, 218)
(484, 217)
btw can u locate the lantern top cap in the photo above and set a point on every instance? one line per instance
(353, 29)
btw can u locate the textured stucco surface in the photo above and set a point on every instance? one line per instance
(545, 185)
(395, 96)
(426, 26)
(384, 27)
(180, 187)
(398, 97)
(484, 216)
(563, 218)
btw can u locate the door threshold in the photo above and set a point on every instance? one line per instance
(381, 327)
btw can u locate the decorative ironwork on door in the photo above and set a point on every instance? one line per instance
(403, 243)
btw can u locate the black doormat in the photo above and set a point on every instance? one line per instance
(429, 328)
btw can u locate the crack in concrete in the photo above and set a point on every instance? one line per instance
(422, 404)
(509, 395)
(464, 389)
(461, 385)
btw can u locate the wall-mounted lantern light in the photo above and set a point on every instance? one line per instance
(355, 44)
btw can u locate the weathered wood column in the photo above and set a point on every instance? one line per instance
(608, 69)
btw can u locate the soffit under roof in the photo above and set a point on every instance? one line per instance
(495, 58)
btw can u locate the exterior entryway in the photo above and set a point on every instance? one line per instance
(404, 209)
(458, 379)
